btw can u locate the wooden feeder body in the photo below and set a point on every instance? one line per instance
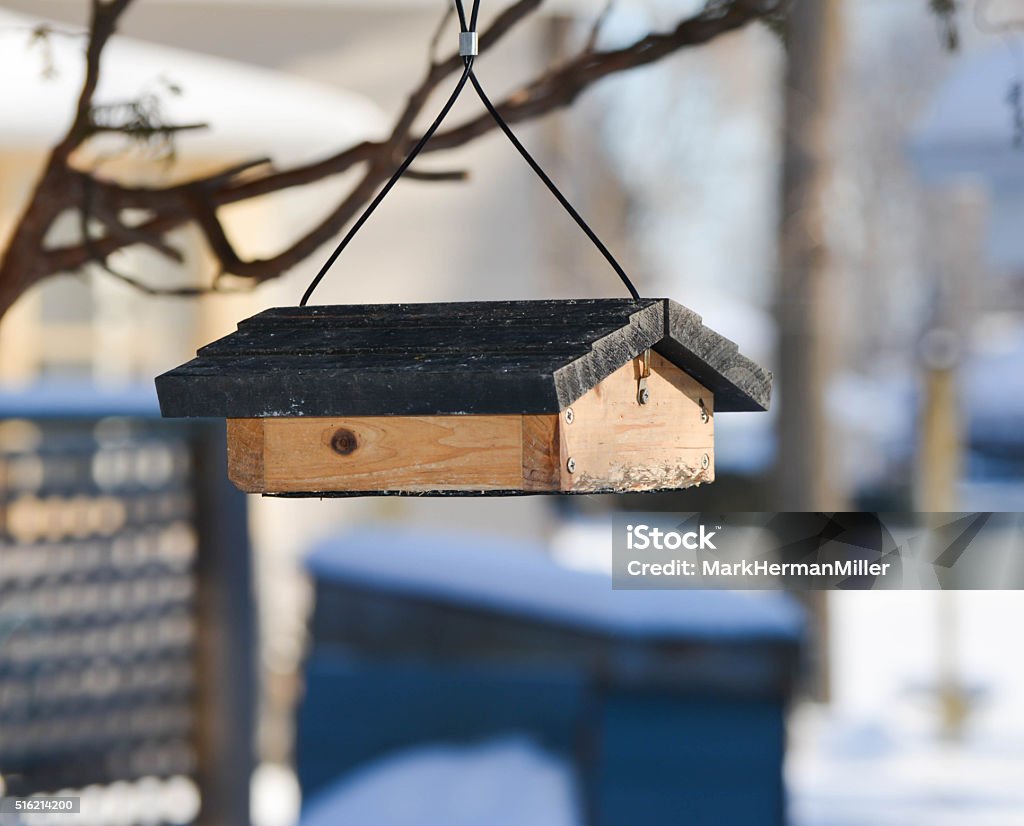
(608, 439)
(548, 401)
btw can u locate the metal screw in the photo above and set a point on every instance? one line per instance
(569, 416)
(705, 461)
(645, 394)
(571, 465)
(704, 415)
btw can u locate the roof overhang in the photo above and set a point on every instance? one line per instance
(476, 358)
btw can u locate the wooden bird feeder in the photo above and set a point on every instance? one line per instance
(578, 396)
(477, 398)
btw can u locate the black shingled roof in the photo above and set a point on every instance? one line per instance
(435, 359)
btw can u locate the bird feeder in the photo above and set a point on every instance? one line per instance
(575, 396)
(479, 398)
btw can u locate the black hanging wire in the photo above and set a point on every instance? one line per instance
(554, 189)
(387, 187)
(468, 75)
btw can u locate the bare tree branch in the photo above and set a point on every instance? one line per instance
(435, 41)
(196, 202)
(945, 14)
(130, 235)
(24, 261)
(561, 86)
(99, 258)
(436, 175)
(102, 25)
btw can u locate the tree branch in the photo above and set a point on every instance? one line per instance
(560, 86)
(104, 17)
(197, 201)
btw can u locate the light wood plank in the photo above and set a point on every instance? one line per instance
(392, 453)
(615, 443)
(541, 467)
(245, 454)
(618, 444)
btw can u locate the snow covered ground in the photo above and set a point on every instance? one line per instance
(846, 773)
(875, 756)
(509, 782)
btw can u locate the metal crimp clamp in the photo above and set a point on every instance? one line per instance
(468, 44)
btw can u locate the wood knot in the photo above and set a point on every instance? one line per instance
(343, 442)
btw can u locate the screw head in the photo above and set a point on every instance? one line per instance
(645, 394)
(705, 461)
(704, 415)
(571, 465)
(569, 416)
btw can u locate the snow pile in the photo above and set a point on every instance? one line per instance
(508, 782)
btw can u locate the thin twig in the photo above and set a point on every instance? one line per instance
(435, 41)
(100, 260)
(595, 30)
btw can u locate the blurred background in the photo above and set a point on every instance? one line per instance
(841, 199)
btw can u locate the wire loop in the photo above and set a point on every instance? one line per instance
(468, 50)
